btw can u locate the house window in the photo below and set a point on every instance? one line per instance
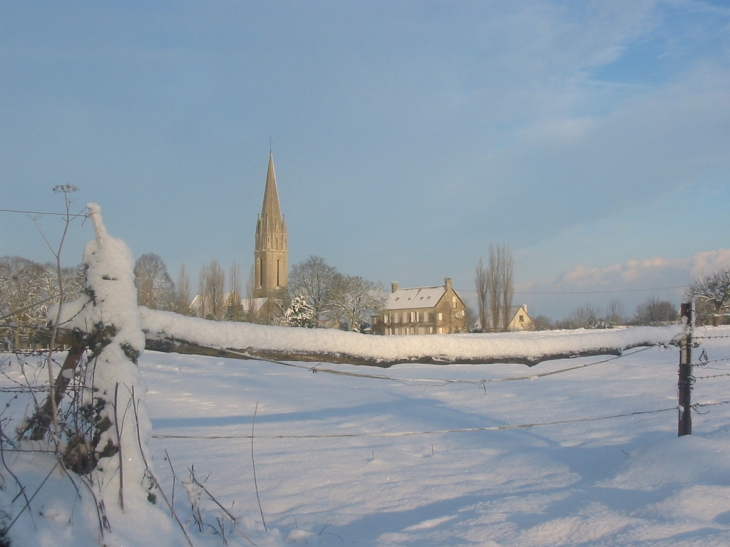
(414, 317)
(396, 318)
(405, 317)
(440, 316)
(522, 318)
(453, 302)
(430, 330)
(441, 331)
(386, 318)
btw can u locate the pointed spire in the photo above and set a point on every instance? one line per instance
(270, 207)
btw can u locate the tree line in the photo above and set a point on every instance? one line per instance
(318, 294)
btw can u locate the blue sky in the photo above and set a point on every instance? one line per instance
(407, 136)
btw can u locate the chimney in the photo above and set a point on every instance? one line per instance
(447, 283)
(394, 286)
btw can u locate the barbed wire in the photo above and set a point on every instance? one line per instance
(74, 215)
(417, 381)
(709, 337)
(711, 376)
(414, 433)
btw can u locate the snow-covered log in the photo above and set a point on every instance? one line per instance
(165, 331)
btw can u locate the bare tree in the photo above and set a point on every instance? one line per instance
(615, 315)
(505, 265)
(654, 311)
(155, 288)
(211, 292)
(234, 308)
(249, 309)
(27, 289)
(354, 299)
(314, 280)
(586, 316)
(713, 289)
(182, 293)
(495, 288)
(481, 280)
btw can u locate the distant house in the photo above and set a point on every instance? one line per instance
(519, 320)
(421, 310)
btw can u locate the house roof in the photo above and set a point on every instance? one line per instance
(418, 297)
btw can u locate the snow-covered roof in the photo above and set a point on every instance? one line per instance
(417, 297)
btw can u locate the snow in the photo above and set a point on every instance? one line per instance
(425, 455)
(578, 451)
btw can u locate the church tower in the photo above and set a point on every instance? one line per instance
(271, 253)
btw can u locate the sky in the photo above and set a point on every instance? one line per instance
(591, 138)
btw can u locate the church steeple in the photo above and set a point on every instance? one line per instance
(271, 253)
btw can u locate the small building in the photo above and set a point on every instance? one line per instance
(519, 320)
(421, 310)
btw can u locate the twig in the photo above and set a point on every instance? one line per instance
(253, 464)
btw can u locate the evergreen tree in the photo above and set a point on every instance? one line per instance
(300, 313)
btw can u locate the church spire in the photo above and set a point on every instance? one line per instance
(271, 253)
(271, 207)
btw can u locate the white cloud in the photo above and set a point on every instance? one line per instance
(630, 282)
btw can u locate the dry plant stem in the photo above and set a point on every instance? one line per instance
(27, 504)
(119, 447)
(152, 475)
(17, 481)
(253, 465)
(54, 331)
(210, 496)
(174, 478)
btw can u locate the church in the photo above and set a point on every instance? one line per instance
(271, 254)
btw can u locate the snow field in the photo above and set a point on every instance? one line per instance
(358, 461)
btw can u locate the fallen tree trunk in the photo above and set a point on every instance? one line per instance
(169, 332)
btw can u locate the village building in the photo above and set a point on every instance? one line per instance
(421, 310)
(519, 320)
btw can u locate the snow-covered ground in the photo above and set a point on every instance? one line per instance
(429, 455)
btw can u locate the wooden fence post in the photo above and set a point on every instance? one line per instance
(684, 385)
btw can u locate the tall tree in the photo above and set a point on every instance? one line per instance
(211, 292)
(234, 308)
(505, 263)
(155, 288)
(495, 288)
(314, 280)
(182, 292)
(481, 280)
